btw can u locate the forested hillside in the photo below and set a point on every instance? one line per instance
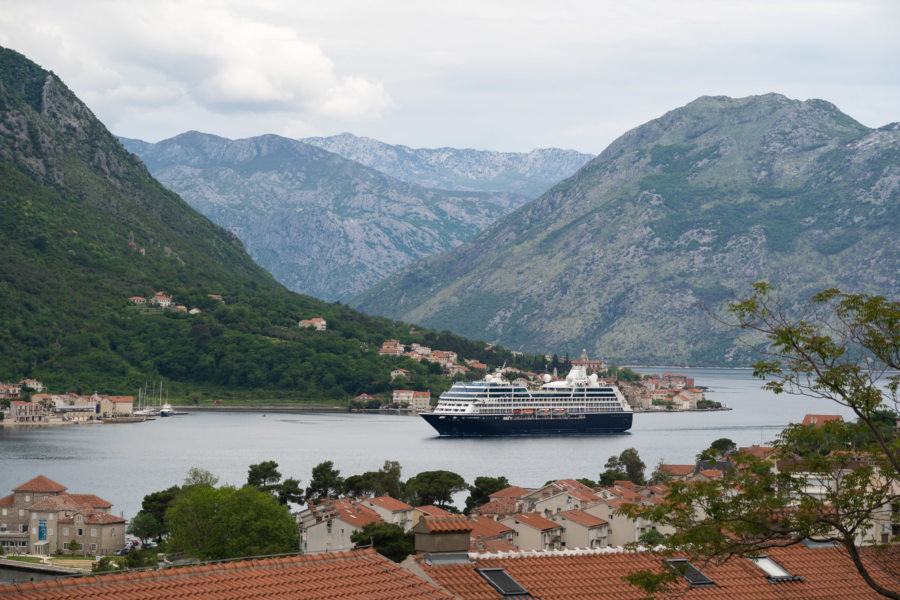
(84, 227)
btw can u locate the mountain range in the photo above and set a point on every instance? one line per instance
(322, 225)
(635, 255)
(528, 174)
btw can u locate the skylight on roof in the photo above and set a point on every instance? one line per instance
(691, 574)
(773, 570)
(502, 581)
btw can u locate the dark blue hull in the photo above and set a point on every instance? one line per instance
(499, 425)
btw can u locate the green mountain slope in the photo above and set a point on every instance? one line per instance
(321, 224)
(84, 227)
(626, 257)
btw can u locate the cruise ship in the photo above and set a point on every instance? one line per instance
(579, 404)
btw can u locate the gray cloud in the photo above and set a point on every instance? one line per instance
(488, 73)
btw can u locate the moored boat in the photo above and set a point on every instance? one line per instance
(579, 404)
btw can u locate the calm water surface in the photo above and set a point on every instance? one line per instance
(122, 463)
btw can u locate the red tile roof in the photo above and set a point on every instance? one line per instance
(352, 575)
(819, 420)
(391, 504)
(57, 503)
(40, 484)
(7, 500)
(512, 491)
(582, 518)
(677, 470)
(498, 506)
(434, 511)
(827, 573)
(535, 520)
(447, 524)
(487, 528)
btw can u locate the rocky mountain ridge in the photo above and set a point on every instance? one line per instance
(526, 173)
(629, 256)
(321, 224)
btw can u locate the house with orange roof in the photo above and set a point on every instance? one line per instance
(391, 510)
(114, 406)
(582, 529)
(138, 300)
(161, 299)
(21, 412)
(392, 348)
(534, 532)
(328, 525)
(622, 529)
(352, 575)
(32, 384)
(560, 495)
(443, 535)
(677, 472)
(317, 323)
(41, 517)
(498, 508)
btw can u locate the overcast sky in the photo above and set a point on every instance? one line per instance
(486, 74)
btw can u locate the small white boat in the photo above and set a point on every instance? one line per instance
(166, 410)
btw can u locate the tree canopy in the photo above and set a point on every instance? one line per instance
(436, 487)
(227, 522)
(326, 482)
(481, 490)
(627, 466)
(388, 539)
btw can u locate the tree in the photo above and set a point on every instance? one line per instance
(844, 348)
(627, 466)
(144, 526)
(290, 491)
(388, 539)
(326, 482)
(73, 546)
(200, 477)
(481, 490)
(157, 503)
(435, 487)
(720, 449)
(651, 538)
(215, 523)
(264, 476)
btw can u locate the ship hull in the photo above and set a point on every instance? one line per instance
(503, 425)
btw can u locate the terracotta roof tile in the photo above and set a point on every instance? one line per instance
(353, 575)
(434, 511)
(582, 518)
(7, 500)
(58, 502)
(91, 500)
(447, 524)
(391, 504)
(512, 491)
(535, 520)
(40, 484)
(819, 420)
(827, 573)
(487, 528)
(677, 470)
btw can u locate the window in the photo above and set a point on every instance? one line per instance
(49, 531)
(27, 498)
(21, 512)
(774, 572)
(93, 547)
(503, 582)
(34, 516)
(93, 532)
(80, 531)
(3, 512)
(691, 574)
(52, 516)
(65, 531)
(79, 518)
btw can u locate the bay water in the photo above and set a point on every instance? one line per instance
(123, 462)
